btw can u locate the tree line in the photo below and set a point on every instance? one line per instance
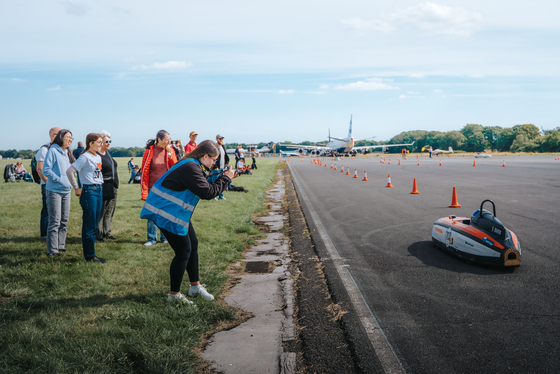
(471, 138)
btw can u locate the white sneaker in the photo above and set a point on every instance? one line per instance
(223, 198)
(216, 198)
(200, 290)
(149, 243)
(179, 297)
(164, 242)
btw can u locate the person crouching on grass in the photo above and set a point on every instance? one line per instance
(88, 167)
(171, 203)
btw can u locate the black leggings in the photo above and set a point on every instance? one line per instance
(186, 257)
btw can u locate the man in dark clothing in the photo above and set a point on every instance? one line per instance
(76, 153)
(221, 161)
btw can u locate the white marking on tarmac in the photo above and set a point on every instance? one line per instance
(379, 342)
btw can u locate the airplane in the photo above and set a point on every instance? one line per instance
(264, 149)
(338, 146)
(437, 152)
(290, 154)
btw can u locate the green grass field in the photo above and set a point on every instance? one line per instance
(65, 315)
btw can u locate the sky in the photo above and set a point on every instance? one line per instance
(259, 71)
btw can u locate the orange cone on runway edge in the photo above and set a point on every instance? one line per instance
(399, 161)
(504, 164)
(389, 181)
(414, 188)
(331, 165)
(440, 163)
(325, 164)
(418, 163)
(355, 173)
(448, 155)
(365, 177)
(348, 170)
(463, 155)
(454, 202)
(474, 163)
(342, 168)
(334, 166)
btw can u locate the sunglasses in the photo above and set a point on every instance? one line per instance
(108, 141)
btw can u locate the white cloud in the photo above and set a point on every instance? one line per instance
(323, 86)
(17, 80)
(284, 92)
(56, 88)
(403, 97)
(169, 65)
(371, 84)
(427, 17)
(75, 9)
(416, 75)
(437, 91)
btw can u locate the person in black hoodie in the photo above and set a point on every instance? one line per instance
(221, 161)
(110, 189)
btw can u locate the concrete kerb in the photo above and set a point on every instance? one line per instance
(266, 291)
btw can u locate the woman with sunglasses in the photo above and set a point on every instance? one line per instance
(88, 167)
(170, 205)
(158, 158)
(58, 188)
(110, 189)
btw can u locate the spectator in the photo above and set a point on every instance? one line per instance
(254, 165)
(221, 162)
(241, 168)
(88, 167)
(130, 165)
(134, 174)
(238, 153)
(185, 182)
(40, 158)
(78, 151)
(191, 145)
(22, 173)
(157, 160)
(58, 188)
(110, 189)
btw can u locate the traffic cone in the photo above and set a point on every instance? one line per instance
(463, 155)
(448, 155)
(348, 170)
(504, 164)
(365, 177)
(331, 165)
(342, 169)
(414, 188)
(325, 164)
(389, 181)
(399, 161)
(418, 163)
(474, 163)
(389, 162)
(355, 173)
(454, 202)
(440, 163)
(334, 166)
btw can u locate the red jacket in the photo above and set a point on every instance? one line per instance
(145, 169)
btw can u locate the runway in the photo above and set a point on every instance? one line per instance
(437, 313)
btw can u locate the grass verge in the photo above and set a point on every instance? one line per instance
(66, 315)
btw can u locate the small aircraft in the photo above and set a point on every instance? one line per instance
(290, 154)
(264, 149)
(437, 152)
(337, 146)
(482, 155)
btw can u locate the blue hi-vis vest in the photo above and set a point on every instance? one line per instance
(170, 210)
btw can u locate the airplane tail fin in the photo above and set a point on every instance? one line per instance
(450, 149)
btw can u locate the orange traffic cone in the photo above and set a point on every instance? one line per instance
(342, 169)
(440, 163)
(389, 181)
(399, 161)
(463, 155)
(414, 188)
(365, 177)
(418, 163)
(348, 170)
(504, 164)
(448, 155)
(331, 165)
(355, 173)
(334, 166)
(454, 202)
(474, 163)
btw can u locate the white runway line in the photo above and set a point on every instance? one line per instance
(382, 347)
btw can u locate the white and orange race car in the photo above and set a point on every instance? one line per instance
(481, 238)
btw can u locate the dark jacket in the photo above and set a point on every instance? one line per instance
(226, 157)
(77, 152)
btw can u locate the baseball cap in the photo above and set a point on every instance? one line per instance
(219, 136)
(193, 133)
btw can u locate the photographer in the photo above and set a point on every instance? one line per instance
(170, 205)
(221, 162)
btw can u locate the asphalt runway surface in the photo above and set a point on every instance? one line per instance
(438, 313)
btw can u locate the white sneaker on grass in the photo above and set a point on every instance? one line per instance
(148, 243)
(179, 297)
(222, 198)
(200, 290)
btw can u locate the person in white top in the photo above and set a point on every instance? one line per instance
(88, 167)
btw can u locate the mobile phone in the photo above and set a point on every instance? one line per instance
(174, 142)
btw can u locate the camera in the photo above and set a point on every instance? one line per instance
(174, 142)
(227, 167)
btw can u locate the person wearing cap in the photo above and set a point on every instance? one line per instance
(221, 161)
(191, 145)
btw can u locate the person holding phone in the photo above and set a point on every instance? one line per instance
(171, 204)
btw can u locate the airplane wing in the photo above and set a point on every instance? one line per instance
(315, 147)
(381, 146)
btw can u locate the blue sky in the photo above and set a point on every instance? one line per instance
(259, 71)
